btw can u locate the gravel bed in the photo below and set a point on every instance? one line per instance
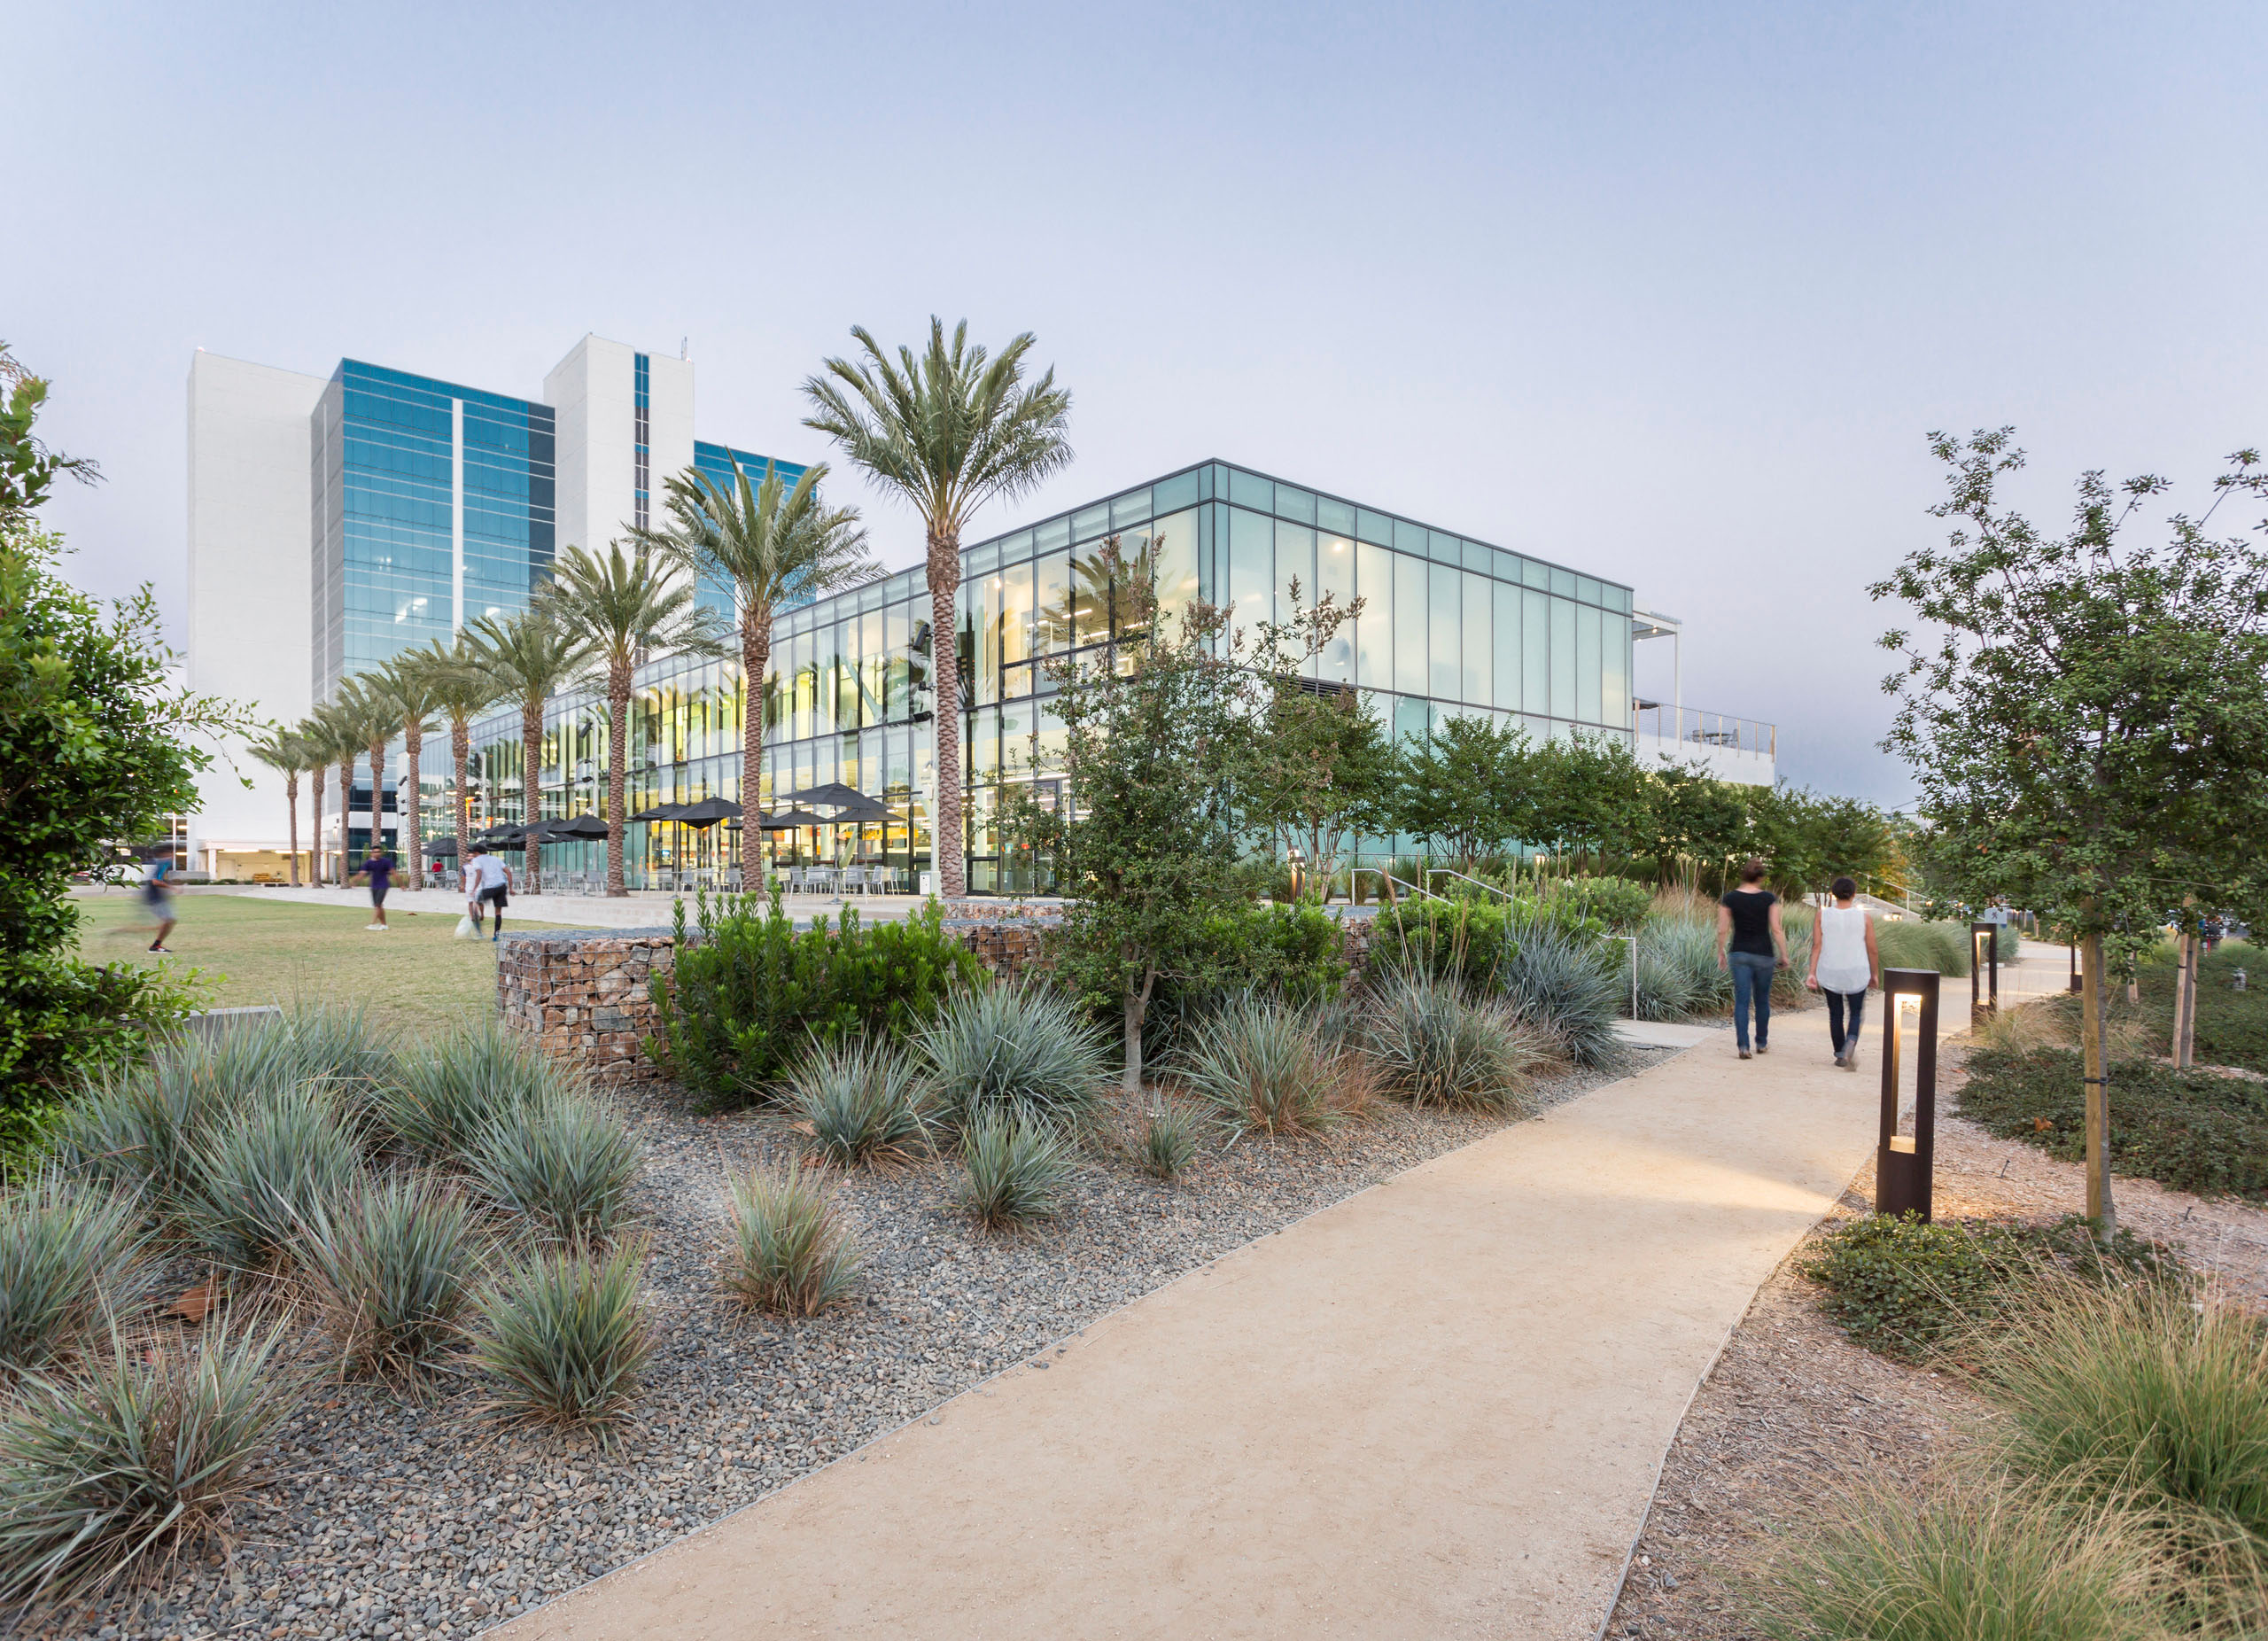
(382, 1518)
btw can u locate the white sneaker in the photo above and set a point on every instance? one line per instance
(380, 926)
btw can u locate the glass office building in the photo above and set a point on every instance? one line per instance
(1449, 626)
(433, 506)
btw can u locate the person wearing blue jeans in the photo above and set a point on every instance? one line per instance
(1752, 945)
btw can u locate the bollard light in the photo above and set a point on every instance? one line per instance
(1903, 1164)
(1984, 956)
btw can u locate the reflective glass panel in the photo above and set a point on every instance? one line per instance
(1373, 527)
(1536, 652)
(1133, 508)
(1177, 491)
(1089, 522)
(1337, 517)
(1562, 658)
(1444, 630)
(1295, 562)
(1334, 579)
(1374, 630)
(1479, 648)
(1091, 591)
(1296, 505)
(1535, 575)
(1408, 624)
(1408, 537)
(1563, 583)
(1015, 613)
(1506, 691)
(1251, 569)
(1054, 533)
(1587, 589)
(1251, 490)
(1173, 547)
(1589, 695)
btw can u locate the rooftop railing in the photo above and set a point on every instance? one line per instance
(1691, 724)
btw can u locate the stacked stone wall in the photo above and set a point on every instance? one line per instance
(584, 996)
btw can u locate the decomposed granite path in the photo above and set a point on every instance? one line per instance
(1436, 1409)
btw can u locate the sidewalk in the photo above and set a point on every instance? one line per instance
(1436, 1409)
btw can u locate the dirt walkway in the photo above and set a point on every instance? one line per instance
(1436, 1409)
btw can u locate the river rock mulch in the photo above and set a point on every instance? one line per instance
(383, 1518)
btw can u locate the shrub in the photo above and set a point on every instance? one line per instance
(1905, 1286)
(1467, 938)
(1433, 1045)
(441, 1097)
(1904, 943)
(863, 1101)
(68, 1253)
(2140, 1392)
(1261, 1067)
(1678, 976)
(118, 1468)
(563, 1334)
(1618, 904)
(1973, 1560)
(786, 1249)
(335, 1043)
(748, 993)
(1570, 990)
(139, 1127)
(1013, 1169)
(564, 1164)
(1018, 1052)
(2194, 1131)
(259, 1177)
(392, 1269)
(1169, 1140)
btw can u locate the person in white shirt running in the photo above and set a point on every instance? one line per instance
(1844, 963)
(487, 883)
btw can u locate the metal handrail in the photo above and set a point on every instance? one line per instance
(1421, 892)
(1443, 871)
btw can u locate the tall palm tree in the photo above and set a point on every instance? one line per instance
(531, 656)
(949, 432)
(315, 733)
(624, 605)
(771, 543)
(378, 715)
(460, 689)
(282, 750)
(407, 687)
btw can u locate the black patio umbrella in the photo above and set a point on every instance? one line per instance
(441, 846)
(504, 836)
(788, 819)
(576, 826)
(707, 811)
(660, 811)
(849, 803)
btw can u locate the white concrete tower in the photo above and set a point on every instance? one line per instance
(596, 391)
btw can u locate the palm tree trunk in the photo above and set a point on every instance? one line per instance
(314, 865)
(618, 753)
(413, 743)
(756, 660)
(345, 816)
(460, 801)
(946, 851)
(291, 803)
(531, 783)
(378, 801)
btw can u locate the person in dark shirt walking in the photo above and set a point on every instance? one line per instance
(1751, 944)
(378, 866)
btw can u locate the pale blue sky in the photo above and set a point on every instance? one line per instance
(1671, 292)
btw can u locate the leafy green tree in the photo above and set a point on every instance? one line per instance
(1697, 825)
(949, 432)
(1322, 767)
(28, 469)
(1154, 739)
(2087, 718)
(286, 753)
(461, 689)
(622, 605)
(1469, 786)
(1590, 797)
(773, 542)
(531, 656)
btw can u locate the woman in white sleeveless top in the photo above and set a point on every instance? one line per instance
(1844, 963)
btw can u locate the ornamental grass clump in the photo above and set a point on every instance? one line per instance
(2150, 1391)
(1261, 1067)
(391, 1271)
(1972, 1559)
(442, 1097)
(1435, 1046)
(1013, 1172)
(1678, 976)
(1569, 989)
(564, 1334)
(562, 1165)
(113, 1471)
(340, 1044)
(257, 1180)
(786, 1249)
(1168, 1142)
(865, 1101)
(1020, 1052)
(69, 1253)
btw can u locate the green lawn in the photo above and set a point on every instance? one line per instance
(413, 979)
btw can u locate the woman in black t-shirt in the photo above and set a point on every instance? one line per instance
(1751, 944)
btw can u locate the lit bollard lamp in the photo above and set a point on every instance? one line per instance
(1983, 955)
(1902, 1165)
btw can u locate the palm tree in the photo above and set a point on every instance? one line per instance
(460, 689)
(313, 732)
(413, 702)
(949, 433)
(771, 543)
(342, 745)
(531, 656)
(282, 750)
(379, 716)
(623, 605)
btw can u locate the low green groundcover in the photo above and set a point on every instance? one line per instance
(2194, 1131)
